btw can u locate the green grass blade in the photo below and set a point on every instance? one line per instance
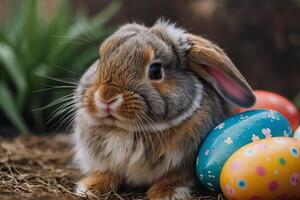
(3, 38)
(9, 61)
(85, 27)
(104, 16)
(32, 32)
(57, 30)
(15, 21)
(8, 107)
(30, 43)
(85, 59)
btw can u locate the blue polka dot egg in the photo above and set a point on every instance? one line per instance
(231, 135)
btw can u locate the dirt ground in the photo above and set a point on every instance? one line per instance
(37, 168)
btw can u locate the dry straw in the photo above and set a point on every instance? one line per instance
(40, 168)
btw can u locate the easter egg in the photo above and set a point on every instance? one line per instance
(270, 100)
(231, 135)
(266, 169)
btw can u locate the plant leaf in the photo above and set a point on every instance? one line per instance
(9, 108)
(104, 16)
(84, 27)
(10, 62)
(58, 27)
(2, 37)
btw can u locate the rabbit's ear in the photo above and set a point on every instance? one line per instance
(209, 62)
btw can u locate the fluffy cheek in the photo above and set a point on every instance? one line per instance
(133, 108)
(89, 100)
(165, 88)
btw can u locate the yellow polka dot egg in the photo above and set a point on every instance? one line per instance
(265, 169)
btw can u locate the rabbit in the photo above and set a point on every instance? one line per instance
(144, 107)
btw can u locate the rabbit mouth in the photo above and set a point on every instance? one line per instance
(111, 117)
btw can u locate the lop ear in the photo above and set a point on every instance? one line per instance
(209, 62)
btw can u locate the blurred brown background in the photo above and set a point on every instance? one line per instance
(261, 37)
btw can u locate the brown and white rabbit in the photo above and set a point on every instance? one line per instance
(144, 107)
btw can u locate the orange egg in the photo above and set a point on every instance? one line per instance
(263, 170)
(270, 100)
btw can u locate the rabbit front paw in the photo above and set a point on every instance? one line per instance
(168, 190)
(97, 183)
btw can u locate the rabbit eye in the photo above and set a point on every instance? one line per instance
(155, 71)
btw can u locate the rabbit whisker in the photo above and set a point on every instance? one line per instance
(66, 118)
(55, 102)
(82, 40)
(70, 82)
(59, 122)
(142, 131)
(89, 38)
(54, 87)
(63, 108)
(156, 131)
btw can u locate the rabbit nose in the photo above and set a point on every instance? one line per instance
(111, 104)
(110, 101)
(109, 97)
